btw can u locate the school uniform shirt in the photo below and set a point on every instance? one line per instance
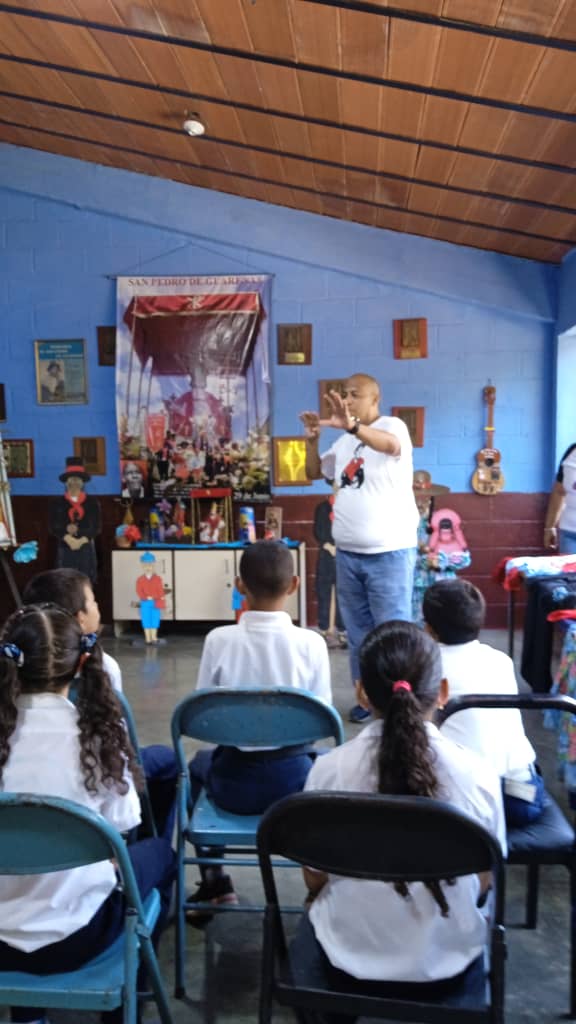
(262, 651)
(567, 477)
(365, 928)
(112, 670)
(36, 910)
(375, 509)
(497, 736)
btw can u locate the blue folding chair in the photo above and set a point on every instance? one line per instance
(281, 717)
(41, 834)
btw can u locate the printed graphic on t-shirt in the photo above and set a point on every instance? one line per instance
(353, 473)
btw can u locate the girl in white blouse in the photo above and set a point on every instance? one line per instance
(49, 746)
(373, 930)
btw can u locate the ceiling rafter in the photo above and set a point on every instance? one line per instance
(314, 160)
(302, 67)
(185, 94)
(451, 24)
(392, 207)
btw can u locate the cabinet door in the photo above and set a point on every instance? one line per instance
(203, 585)
(126, 568)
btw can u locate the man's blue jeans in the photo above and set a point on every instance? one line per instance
(373, 589)
(566, 542)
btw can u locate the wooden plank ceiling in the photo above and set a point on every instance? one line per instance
(454, 119)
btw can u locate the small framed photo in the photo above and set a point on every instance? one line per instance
(61, 377)
(290, 462)
(413, 417)
(2, 403)
(294, 344)
(106, 346)
(91, 451)
(411, 339)
(19, 456)
(324, 386)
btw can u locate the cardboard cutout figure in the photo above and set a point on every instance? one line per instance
(150, 590)
(74, 519)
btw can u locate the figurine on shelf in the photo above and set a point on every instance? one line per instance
(74, 519)
(150, 590)
(213, 527)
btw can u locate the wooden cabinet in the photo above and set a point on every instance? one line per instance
(199, 580)
(204, 582)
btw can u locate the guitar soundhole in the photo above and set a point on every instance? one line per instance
(489, 461)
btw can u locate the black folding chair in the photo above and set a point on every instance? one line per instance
(390, 839)
(549, 839)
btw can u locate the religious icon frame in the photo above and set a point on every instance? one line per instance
(283, 476)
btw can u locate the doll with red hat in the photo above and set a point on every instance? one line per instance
(74, 519)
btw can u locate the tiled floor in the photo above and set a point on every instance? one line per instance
(222, 967)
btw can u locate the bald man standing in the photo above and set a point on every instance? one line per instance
(375, 514)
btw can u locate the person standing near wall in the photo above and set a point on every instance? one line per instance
(560, 522)
(375, 514)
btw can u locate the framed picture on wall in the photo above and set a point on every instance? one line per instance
(19, 456)
(106, 346)
(91, 451)
(61, 377)
(294, 344)
(324, 386)
(411, 339)
(290, 462)
(413, 417)
(2, 403)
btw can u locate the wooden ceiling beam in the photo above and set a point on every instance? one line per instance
(314, 160)
(306, 119)
(302, 67)
(451, 24)
(444, 218)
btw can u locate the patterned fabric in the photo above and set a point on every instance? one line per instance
(565, 725)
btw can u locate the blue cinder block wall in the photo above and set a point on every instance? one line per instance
(67, 228)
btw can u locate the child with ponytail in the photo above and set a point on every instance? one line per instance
(373, 930)
(51, 747)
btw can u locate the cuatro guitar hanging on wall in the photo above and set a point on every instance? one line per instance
(488, 477)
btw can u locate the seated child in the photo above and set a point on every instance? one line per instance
(454, 613)
(368, 929)
(72, 590)
(263, 650)
(81, 752)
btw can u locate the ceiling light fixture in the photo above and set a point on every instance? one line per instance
(193, 125)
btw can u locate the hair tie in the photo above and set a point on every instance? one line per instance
(13, 652)
(88, 642)
(401, 685)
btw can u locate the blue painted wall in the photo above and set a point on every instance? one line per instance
(66, 228)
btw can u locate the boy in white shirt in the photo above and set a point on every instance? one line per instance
(263, 650)
(454, 612)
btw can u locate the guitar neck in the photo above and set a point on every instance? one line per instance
(489, 428)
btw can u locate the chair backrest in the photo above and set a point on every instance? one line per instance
(279, 717)
(387, 838)
(40, 834)
(522, 701)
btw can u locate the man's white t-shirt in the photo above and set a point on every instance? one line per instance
(375, 509)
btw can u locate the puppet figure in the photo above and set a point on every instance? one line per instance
(329, 619)
(74, 519)
(150, 590)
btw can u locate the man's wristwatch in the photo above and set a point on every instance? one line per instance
(355, 426)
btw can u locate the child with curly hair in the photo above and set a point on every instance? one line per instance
(51, 747)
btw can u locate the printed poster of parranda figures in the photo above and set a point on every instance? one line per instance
(193, 385)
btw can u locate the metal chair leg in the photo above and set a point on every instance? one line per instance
(533, 877)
